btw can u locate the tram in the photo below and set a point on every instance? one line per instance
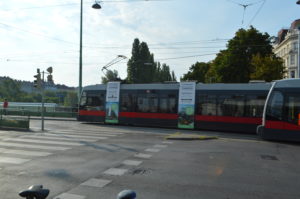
(222, 107)
(281, 116)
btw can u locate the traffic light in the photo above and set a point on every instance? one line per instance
(37, 83)
(50, 77)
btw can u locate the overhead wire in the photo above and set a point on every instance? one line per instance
(258, 11)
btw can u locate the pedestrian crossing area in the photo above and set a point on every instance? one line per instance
(24, 148)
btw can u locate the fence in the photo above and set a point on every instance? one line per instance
(36, 111)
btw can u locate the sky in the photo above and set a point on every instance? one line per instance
(39, 34)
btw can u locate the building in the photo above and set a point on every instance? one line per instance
(287, 47)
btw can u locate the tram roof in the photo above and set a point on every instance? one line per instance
(234, 86)
(167, 86)
(199, 86)
(288, 83)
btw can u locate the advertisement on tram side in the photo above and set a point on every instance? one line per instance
(112, 102)
(186, 105)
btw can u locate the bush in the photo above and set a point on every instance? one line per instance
(15, 123)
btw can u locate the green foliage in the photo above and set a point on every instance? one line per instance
(267, 68)
(197, 72)
(234, 63)
(110, 76)
(71, 99)
(14, 123)
(141, 67)
(10, 90)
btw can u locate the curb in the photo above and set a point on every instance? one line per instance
(186, 137)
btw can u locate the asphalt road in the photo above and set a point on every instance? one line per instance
(87, 161)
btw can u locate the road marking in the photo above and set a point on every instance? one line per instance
(58, 138)
(56, 148)
(143, 155)
(115, 171)
(160, 146)
(152, 150)
(43, 141)
(132, 162)
(167, 142)
(93, 182)
(69, 196)
(22, 152)
(76, 136)
(89, 133)
(13, 160)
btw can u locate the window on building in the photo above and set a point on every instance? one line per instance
(292, 74)
(295, 46)
(292, 59)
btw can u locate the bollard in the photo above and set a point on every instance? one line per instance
(126, 194)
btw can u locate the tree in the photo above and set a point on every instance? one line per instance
(110, 76)
(141, 67)
(234, 63)
(11, 90)
(267, 68)
(71, 99)
(197, 72)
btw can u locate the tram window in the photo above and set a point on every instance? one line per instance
(207, 105)
(255, 105)
(95, 102)
(128, 102)
(275, 106)
(167, 104)
(293, 109)
(147, 104)
(231, 105)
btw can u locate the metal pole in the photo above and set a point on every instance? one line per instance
(42, 113)
(80, 55)
(298, 52)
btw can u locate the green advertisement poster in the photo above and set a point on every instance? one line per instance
(112, 112)
(186, 105)
(112, 102)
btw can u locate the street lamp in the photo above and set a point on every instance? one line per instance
(95, 6)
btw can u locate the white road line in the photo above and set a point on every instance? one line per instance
(75, 136)
(167, 142)
(22, 152)
(13, 160)
(88, 133)
(132, 162)
(152, 150)
(59, 138)
(143, 155)
(115, 171)
(160, 146)
(43, 141)
(11, 144)
(93, 182)
(69, 196)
